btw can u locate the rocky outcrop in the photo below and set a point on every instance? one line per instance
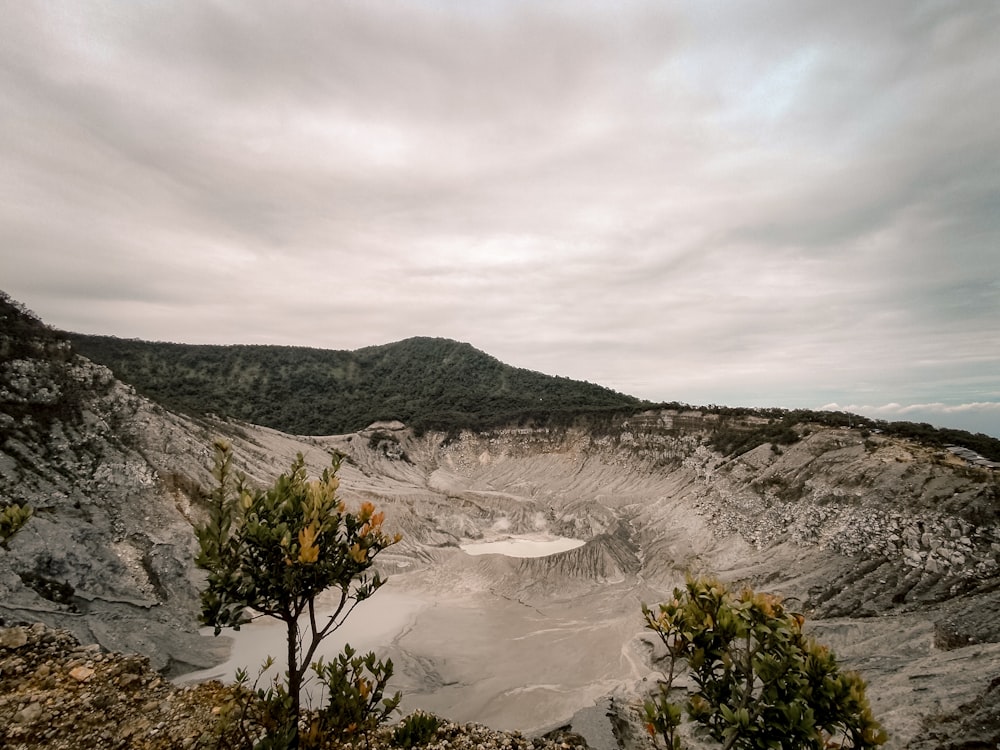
(57, 693)
(115, 482)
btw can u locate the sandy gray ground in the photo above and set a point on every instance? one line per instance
(473, 655)
(517, 665)
(476, 656)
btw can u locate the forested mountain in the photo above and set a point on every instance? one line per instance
(428, 383)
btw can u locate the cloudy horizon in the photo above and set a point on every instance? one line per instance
(789, 204)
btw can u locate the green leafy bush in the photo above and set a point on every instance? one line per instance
(734, 440)
(417, 729)
(355, 687)
(258, 717)
(760, 683)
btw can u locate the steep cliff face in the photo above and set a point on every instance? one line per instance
(114, 481)
(107, 551)
(926, 514)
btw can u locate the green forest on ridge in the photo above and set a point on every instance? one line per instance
(427, 383)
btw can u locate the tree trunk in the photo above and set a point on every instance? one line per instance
(294, 678)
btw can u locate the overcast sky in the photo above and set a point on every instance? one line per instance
(748, 203)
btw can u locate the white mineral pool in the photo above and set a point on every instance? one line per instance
(523, 546)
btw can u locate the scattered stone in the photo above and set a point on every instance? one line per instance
(13, 637)
(81, 674)
(29, 714)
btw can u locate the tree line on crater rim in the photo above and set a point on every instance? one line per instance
(429, 384)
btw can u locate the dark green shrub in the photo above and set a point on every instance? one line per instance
(378, 437)
(355, 686)
(735, 439)
(759, 682)
(417, 729)
(261, 718)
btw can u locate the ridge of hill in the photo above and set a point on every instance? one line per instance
(428, 383)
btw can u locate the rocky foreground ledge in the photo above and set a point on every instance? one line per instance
(56, 693)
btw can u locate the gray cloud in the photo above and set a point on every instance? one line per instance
(783, 204)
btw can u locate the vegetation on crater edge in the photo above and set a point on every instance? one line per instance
(428, 383)
(758, 681)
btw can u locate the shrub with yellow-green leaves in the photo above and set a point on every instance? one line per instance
(12, 520)
(759, 681)
(273, 552)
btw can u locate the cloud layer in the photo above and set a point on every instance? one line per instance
(776, 204)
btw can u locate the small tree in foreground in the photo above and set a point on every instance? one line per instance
(273, 552)
(760, 683)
